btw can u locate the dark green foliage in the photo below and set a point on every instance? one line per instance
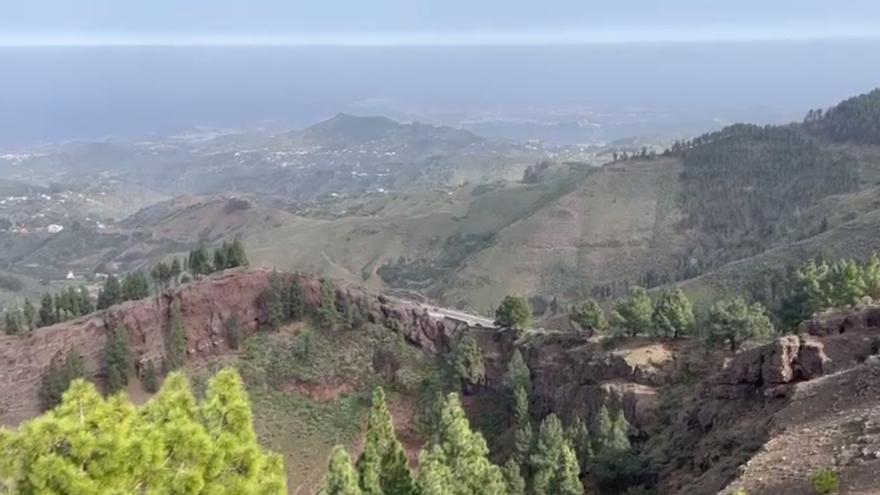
(825, 482)
(555, 468)
(175, 270)
(296, 300)
(856, 119)
(151, 378)
(175, 339)
(383, 468)
(233, 332)
(354, 317)
(589, 315)
(48, 315)
(744, 186)
(632, 316)
(29, 313)
(110, 294)
(199, 262)
(467, 361)
(457, 462)
(735, 321)
(328, 314)
(673, 315)
(58, 377)
(514, 312)
(117, 360)
(274, 300)
(135, 286)
(163, 274)
(578, 436)
(615, 466)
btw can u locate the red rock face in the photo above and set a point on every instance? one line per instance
(206, 304)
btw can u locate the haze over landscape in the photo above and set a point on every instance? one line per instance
(440, 248)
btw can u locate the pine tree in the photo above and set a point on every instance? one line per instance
(274, 299)
(117, 360)
(467, 362)
(171, 445)
(383, 467)
(296, 300)
(514, 312)
(517, 374)
(47, 310)
(341, 476)
(632, 316)
(579, 438)
(523, 435)
(110, 294)
(457, 463)
(516, 485)
(30, 315)
(58, 378)
(734, 321)
(589, 316)
(175, 339)
(673, 316)
(328, 315)
(554, 466)
(85, 301)
(135, 286)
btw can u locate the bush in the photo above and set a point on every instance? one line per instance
(825, 482)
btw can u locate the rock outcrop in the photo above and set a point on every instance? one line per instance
(207, 304)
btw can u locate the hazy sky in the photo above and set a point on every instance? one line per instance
(423, 22)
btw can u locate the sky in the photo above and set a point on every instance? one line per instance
(436, 22)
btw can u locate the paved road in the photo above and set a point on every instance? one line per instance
(472, 320)
(440, 313)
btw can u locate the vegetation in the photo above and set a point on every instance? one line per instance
(342, 479)
(825, 482)
(175, 339)
(58, 378)
(201, 261)
(172, 441)
(734, 321)
(673, 315)
(855, 119)
(383, 468)
(744, 186)
(555, 467)
(111, 293)
(457, 462)
(117, 360)
(135, 286)
(514, 312)
(589, 315)
(467, 362)
(632, 316)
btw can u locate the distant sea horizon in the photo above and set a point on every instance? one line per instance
(53, 94)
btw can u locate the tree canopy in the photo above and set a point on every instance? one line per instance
(173, 444)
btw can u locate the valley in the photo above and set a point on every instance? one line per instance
(692, 317)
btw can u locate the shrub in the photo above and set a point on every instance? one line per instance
(825, 482)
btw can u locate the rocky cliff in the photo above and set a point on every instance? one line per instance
(206, 305)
